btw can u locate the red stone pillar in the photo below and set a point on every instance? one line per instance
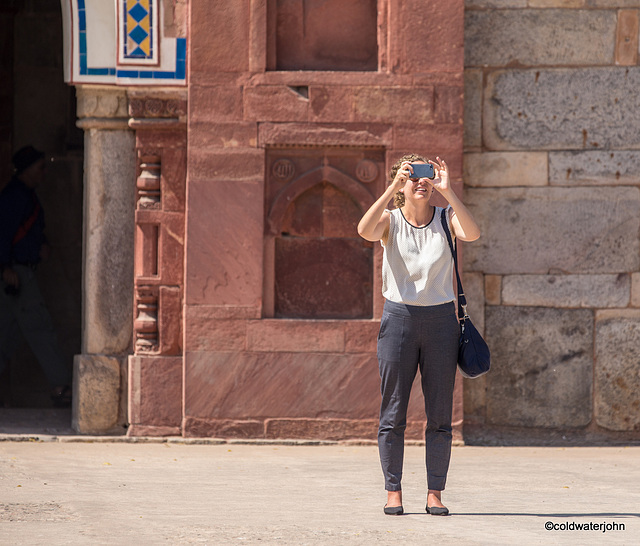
(155, 370)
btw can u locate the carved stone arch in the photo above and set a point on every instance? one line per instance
(308, 180)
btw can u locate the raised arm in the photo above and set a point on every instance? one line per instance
(464, 226)
(374, 225)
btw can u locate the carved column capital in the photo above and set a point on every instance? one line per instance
(101, 107)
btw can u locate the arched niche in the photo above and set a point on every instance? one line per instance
(322, 269)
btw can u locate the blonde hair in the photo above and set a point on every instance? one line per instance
(398, 198)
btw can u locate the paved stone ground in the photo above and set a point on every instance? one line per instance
(78, 490)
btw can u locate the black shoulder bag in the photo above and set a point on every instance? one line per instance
(474, 358)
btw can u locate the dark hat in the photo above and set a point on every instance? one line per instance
(25, 157)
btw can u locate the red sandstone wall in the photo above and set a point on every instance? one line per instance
(247, 374)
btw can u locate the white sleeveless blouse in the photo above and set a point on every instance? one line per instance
(417, 265)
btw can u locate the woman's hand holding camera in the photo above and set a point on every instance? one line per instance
(441, 180)
(404, 173)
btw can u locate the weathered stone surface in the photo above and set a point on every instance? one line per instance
(535, 230)
(155, 391)
(224, 270)
(225, 164)
(475, 399)
(323, 278)
(541, 366)
(274, 103)
(219, 103)
(539, 37)
(360, 336)
(597, 291)
(383, 104)
(449, 104)
(413, 56)
(557, 3)
(305, 41)
(635, 289)
(597, 108)
(223, 135)
(295, 336)
(331, 103)
(617, 381)
(253, 385)
(101, 103)
(223, 47)
(493, 289)
(223, 428)
(472, 108)
(494, 169)
(96, 394)
(597, 167)
(613, 3)
(214, 334)
(500, 4)
(170, 320)
(328, 429)
(473, 284)
(369, 134)
(444, 141)
(110, 170)
(627, 37)
(173, 179)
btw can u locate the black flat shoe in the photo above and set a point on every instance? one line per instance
(393, 510)
(437, 510)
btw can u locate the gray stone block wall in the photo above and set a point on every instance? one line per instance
(552, 174)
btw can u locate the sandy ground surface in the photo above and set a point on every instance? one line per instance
(69, 490)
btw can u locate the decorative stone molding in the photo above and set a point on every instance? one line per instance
(148, 182)
(101, 102)
(146, 321)
(158, 121)
(157, 108)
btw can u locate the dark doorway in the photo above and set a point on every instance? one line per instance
(38, 108)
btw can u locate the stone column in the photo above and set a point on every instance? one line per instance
(107, 290)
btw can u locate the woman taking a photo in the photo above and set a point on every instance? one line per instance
(419, 327)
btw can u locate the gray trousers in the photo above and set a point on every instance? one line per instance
(26, 313)
(413, 337)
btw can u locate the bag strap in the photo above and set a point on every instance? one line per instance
(24, 228)
(462, 300)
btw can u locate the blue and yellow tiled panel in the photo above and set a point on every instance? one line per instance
(138, 46)
(138, 29)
